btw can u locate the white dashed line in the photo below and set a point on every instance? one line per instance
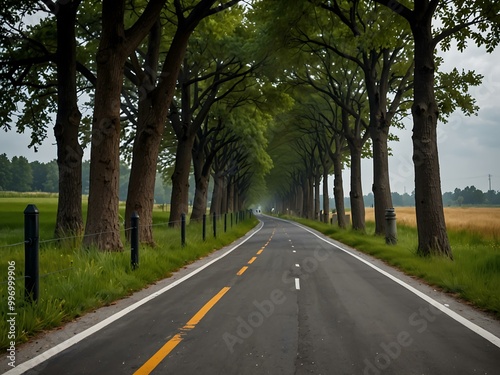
(297, 284)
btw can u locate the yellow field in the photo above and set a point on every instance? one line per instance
(484, 221)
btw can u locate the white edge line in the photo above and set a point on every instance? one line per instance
(452, 314)
(25, 366)
(297, 283)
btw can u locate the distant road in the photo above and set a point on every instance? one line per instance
(286, 301)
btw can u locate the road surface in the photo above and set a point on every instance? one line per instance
(286, 301)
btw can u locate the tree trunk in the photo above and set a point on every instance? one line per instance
(147, 140)
(381, 184)
(179, 202)
(299, 201)
(66, 130)
(201, 178)
(231, 196)
(326, 199)
(103, 223)
(432, 235)
(356, 193)
(140, 196)
(103, 226)
(317, 179)
(338, 191)
(216, 195)
(224, 195)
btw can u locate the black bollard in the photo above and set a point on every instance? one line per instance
(214, 221)
(391, 234)
(134, 240)
(204, 227)
(31, 251)
(183, 230)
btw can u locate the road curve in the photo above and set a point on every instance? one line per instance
(286, 301)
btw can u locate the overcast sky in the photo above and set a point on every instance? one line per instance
(468, 146)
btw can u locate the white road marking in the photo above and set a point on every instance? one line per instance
(25, 366)
(297, 284)
(452, 314)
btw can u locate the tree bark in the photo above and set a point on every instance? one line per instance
(180, 180)
(66, 130)
(381, 183)
(103, 226)
(326, 199)
(116, 44)
(317, 180)
(201, 178)
(338, 191)
(432, 235)
(147, 140)
(356, 193)
(215, 204)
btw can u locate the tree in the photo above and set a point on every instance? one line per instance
(22, 175)
(384, 59)
(116, 44)
(457, 18)
(157, 98)
(5, 172)
(43, 74)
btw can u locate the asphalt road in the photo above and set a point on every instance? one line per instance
(284, 302)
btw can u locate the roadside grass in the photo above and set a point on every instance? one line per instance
(74, 281)
(473, 275)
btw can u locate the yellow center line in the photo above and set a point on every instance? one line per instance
(165, 350)
(260, 251)
(252, 260)
(243, 269)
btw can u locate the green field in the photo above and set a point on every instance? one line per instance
(74, 281)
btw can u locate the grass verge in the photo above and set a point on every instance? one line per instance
(75, 281)
(473, 275)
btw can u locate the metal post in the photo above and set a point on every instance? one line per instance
(225, 222)
(391, 234)
(183, 229)
(134, 240)
(204, 229)
(231, 219)
(31, 251)
(214, 220)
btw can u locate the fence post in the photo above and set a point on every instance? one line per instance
(214, 219)
(231, 219)
(31, 250)
(204, 229)
(134, 240)
(225, 222)
(183, 229)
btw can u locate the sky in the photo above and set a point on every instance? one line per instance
(469, 149)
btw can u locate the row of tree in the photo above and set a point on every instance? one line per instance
(18, 174)
(174, 83)
(203, 86)
(358, 68)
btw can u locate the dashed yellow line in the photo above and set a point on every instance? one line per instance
(260, 251)
(165, 350)
(243, 269)
(252, 260)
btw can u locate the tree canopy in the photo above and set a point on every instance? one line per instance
(258, 100)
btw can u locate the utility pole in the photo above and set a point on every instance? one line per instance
(489, 180)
